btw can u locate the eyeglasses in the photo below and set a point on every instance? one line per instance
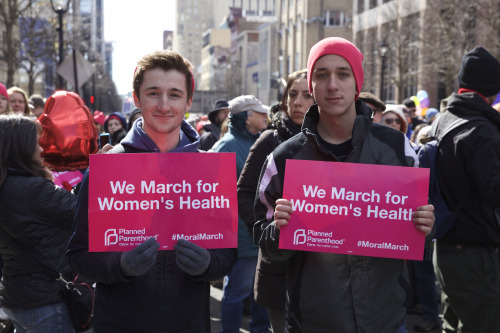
(389, 121)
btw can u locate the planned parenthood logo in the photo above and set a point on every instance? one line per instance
(299, 237)
(110, 237)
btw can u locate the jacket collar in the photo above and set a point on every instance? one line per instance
(361, 126)
(138, 139)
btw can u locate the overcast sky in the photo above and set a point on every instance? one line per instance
(135, 28)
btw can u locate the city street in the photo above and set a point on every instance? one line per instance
(216, 296)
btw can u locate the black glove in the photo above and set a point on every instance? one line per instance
(191, 258)
(138, 261)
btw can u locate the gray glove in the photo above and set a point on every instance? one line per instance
(191, 258)
(138, 261)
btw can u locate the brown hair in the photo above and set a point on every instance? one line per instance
(11, 90)
(302, 74)
(165, 60)
(18, 146)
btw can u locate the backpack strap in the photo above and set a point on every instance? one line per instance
(438, 134)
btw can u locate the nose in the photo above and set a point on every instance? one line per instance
(298, 101)
(163, 103)
(332, 84)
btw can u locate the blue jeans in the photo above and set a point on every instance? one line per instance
(238, 285)
(51, 318)
(426, 286)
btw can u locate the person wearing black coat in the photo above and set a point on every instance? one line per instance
(269, 286)
(217, 115)
(116, 125)
(38, 216)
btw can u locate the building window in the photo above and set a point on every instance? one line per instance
(334, 18)
(361, 6)
(373, 4)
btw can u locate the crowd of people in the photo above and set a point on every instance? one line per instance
(324, 115)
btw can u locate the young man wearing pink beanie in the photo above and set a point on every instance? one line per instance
(336, 292)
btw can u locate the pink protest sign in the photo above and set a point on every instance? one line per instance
(167, 196)
(70, 177)
(358, 209)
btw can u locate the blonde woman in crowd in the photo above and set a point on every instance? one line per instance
(19, 101)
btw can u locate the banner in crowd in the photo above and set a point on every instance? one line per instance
(133, 197)
(357, 209)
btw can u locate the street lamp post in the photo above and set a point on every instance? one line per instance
(60, 11)
(382, 49)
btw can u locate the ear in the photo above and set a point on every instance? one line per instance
(188, 105)
(136, 100)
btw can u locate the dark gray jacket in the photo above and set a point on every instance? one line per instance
(39, 216)
(336, 292)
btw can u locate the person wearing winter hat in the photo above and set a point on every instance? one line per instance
(133, 116)
(219, 112)
(394, 117)
(468, 169)
(99, 120)
(116, 125)
(339, 128)
(4, 100)
(248, 118)
(374, 103)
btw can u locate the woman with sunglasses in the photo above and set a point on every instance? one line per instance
(394, 117)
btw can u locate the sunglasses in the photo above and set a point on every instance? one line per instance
(389, 121)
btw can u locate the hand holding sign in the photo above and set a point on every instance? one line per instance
(282, 212)
(191, 258)
(423, 218)
(138, 261)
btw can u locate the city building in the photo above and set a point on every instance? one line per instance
(413, 45)
(303, 23)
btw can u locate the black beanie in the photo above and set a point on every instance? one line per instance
(480, 71)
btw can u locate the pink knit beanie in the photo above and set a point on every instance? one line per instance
(3, 91)
(341, 47)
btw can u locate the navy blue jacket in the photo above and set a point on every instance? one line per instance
(165, 299)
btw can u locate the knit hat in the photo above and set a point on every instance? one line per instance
(3, 91)
(480, 71)
(247, 103)
(341, 47)
(99, 117)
